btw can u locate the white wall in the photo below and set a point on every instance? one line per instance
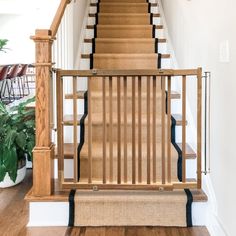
(18, 21)
(21, 48)
(198, 30)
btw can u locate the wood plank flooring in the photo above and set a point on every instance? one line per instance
(14, 218)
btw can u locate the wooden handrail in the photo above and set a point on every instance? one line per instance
(58, 16)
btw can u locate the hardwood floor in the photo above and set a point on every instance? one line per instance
(14, 218)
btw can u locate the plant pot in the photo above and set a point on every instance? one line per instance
(21, 172)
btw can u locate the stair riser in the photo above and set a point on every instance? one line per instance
(98, 108)
(119, 21)
(132, 47)
(124, 20)
(97, 170)
(142, 32)
(97, 130)
(141, 8)
(125, 63)
(125, 1)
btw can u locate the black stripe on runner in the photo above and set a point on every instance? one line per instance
(149, 7)
(156, 45)
(159, 61)
(153, 31)
(82, 130)
(151, 18)
(71, 208)
(189, 208)
(95, 31)
(93, 45)
(91, 61)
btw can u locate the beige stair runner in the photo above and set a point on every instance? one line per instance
(124, 40)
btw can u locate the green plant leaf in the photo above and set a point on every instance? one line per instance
(3, 109)
(21, 140)
(3, 43)
(10, 162)
(3, 172)
(30, 124)
(30, 146)
(10, 138)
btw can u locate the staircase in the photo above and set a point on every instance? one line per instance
(126, 144)
(135, 48)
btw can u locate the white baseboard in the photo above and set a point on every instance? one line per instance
(48, 214)
(214, 226)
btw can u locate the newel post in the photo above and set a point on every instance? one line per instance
(43, 153)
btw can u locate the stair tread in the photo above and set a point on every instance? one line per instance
(62, 196)
(125, 40)
(190, 153)
(80, 95)
(126, 55)
(98, 119)
(123, 4)
(69, 150)
(178, 118)
(69, 119)
(124, 26)
(124, 14)
(175, 95)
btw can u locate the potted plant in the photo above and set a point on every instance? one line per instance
(3, 43)
(17, 140)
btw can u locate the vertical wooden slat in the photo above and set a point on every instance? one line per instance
(104, 129)
(169, 131)
(60, 131)
(154, 130)
(118, 132)
(89, 132)
(75, 138)
(163, 111)
(199, 128)
(125, 129)
(110, 129)
(148, 133)
(133, 133)
(183, 129)
(139, 129)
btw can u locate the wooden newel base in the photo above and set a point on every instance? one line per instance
(43, 167)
